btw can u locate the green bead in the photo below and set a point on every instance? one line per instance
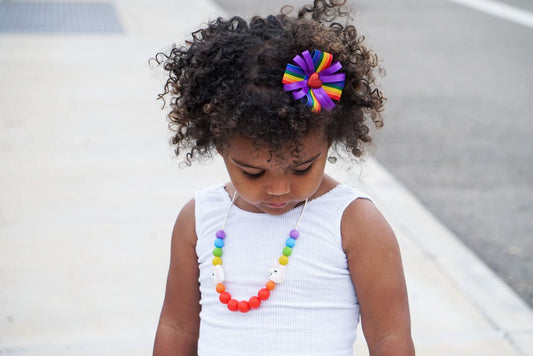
(217, 251)
(287, 251)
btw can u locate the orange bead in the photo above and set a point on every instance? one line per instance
(254, 302)
(244, 307)
(271, 285)
(221, 288)
(233, 305)
(263, 294)
(224, 297)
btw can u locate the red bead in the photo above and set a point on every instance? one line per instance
(244, 307)
(224, 297)
(263, 294)
(254, 302)
(233, 305)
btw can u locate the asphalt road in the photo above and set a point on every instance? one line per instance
(458, 124)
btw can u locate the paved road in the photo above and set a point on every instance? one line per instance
(458, 122)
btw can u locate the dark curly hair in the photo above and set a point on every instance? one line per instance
(226, 82)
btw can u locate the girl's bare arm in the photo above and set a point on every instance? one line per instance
(376, 270)
(177, 332)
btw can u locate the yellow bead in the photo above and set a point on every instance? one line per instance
(283, 260)
(217, 261)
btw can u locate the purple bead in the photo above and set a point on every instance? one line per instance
(221, 234)
(294, 234)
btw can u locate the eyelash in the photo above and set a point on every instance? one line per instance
(300, 172)
(253, 176)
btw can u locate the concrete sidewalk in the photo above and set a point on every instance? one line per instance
(90, 193)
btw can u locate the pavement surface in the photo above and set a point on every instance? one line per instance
(90, 194)
(458, 124)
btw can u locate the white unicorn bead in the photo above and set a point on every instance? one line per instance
(277, 273)
(218, 274)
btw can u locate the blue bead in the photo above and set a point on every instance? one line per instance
(290, 242)
(219, 243)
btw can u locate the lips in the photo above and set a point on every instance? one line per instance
(277, 205)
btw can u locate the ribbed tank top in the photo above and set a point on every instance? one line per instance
(314, 312)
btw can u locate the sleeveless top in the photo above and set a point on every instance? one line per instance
(314, 312)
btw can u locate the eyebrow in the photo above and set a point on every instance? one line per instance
(243, 164)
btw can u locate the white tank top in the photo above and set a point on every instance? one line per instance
(314, 312)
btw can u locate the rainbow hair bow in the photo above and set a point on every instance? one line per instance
(315, 78)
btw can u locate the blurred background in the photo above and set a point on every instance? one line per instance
(90, 189)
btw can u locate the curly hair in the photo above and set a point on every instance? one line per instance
(226, 83)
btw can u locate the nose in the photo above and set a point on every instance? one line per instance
(278, 186)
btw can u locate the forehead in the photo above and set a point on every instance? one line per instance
(244, 149)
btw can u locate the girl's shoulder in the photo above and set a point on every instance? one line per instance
(365, 230)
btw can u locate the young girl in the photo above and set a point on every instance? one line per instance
(281, 260)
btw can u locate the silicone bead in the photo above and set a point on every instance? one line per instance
(217, 261)
(224, 297)
(233, 305)
(290, 242)
(219, 243)
(277, 273)
(287, 251)
(220, 288)
(221, 234)
(254, 302)
(244, 307)
(294, 234)
(270, 285)
(263, 294)
(217, 251)
(218, 274)
(283, 260)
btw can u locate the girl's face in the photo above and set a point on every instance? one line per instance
(266, 185)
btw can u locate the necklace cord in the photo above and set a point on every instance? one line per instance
(227, 212)
(301, 214)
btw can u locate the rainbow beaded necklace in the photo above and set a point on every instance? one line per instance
(277, 272)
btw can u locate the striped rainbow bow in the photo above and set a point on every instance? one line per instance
(315, 78)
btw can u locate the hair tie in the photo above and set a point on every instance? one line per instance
(315, 78)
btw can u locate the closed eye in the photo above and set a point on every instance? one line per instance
(302, 172)
(253, 176)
